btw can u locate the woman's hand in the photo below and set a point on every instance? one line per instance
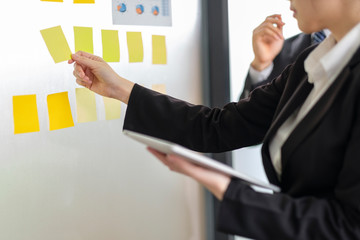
(95, 74)
(267, 41)
(216, 182)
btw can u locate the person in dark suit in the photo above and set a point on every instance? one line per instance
(308, 120)
(271, 53)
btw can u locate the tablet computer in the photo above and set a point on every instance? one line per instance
(196, 158)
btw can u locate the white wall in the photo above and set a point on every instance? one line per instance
(244, 16)
(89, 181)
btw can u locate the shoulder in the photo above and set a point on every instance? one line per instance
(299, 38)
(298, 65)
(293, 47)
(305, 53)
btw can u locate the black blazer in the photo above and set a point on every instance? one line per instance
(320, 181)
(291, 50)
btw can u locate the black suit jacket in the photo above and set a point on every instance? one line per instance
(320, 181)
(291, 50)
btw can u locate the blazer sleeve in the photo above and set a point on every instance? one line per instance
(246, 212)
(201, 128)
(248, 87)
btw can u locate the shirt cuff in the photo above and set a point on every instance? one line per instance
(259, 76)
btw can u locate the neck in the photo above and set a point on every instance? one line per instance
(350, 18)
(341, 31)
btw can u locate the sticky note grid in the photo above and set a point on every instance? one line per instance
(59, 49)
(25, 111)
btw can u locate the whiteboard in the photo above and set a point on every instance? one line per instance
(89, 181)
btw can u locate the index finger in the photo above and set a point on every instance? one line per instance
(276, 21)
(79, 71)
(278, 16)
(84, 54)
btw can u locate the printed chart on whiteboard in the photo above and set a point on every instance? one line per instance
(144, 12)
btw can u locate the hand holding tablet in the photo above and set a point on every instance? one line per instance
(196, 158)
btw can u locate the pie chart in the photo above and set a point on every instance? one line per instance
(155, 10)
(121, 7)
(139, 9)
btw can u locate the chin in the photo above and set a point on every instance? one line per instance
(305, 28)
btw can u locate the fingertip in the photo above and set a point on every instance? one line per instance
(150, 149)
(74, 56)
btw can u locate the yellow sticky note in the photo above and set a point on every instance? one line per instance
(84, 1)
(59, 111)
(158, 49)
(110, 45)
(25, 114)
(84, 39)
(56, 43)
(112, 108)
(51, 0)
(85, 105)
(135, 46)
(161, 88)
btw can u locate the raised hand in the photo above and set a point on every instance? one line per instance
(95, 74)
(267, 41)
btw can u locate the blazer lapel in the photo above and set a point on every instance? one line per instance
(289, 106)
(314, 116)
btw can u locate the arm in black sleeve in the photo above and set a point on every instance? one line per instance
(248, 87)
(201, 128)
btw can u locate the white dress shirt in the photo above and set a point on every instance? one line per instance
(259, 76)
(323, 65)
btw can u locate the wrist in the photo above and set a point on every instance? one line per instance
(222, 185)
(259, 65)
(215, 182)
(123, 89)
